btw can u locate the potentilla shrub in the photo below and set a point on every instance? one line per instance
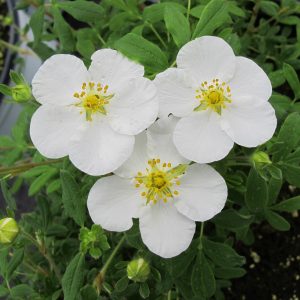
(153, 139)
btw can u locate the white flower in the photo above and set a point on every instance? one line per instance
(157, 186)
(220, 98)
(91, 115)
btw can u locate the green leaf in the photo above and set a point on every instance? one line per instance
(23, 291)
(231, 219)
(85, 42)
(72, 198)
(3, 291)
(203, 280)
(5, 89)
(222, 254)
(121, 284)
(177, 25)
(288, 205)
(277, 78)
(281, 104)
(291, 173)
(8, 197)
(84, 11)
(144, 52)
(155, 12)
(229, 273)
(257, 192)
(14, 262)
(16, 77)
(36, 23)
(214, 15)
(144, 290)
(292, 78)
(41, 181)
(269, 7)
(274, 189)
(72, 280)
(277, 221)
(288, 137)
(53, 186)
(63, 30)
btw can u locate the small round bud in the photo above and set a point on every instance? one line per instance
(9, 230)
(260, 159)
(138, 270)
(21, 93)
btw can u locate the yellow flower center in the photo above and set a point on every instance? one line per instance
(92, 99)
(215, 96)
(158, 181)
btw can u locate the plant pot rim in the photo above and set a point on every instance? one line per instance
(13, 37)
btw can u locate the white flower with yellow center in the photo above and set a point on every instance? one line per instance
(91, 115)
(157, 185)
(221, 99)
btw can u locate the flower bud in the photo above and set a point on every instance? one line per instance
(9, 230)
(260, 159)
(138, 270)
(21, 92)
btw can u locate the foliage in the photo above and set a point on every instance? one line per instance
(59, 254)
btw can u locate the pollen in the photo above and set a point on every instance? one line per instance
(92, 99)
(215, 96)
(158, 180)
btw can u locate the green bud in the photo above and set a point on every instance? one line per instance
(138, 270)
(261, 158)
(9, 230)
(21, 92)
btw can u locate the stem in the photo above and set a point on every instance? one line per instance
(15, 48)
(173, 63)
(101, 275)
(169, 297)
(43, 251)
(24, 167)
(252, 21)
(201, 235)
(188, 10)
(157, 34)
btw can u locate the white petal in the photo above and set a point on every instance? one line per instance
(200, 138)
(99, 149)
(112, 203)
(113, 68)
(206, 58)
(202, 193)
(250, 80)
(176, 93)
(164, 230)
(58, 79)
(249, 121)
(160, 141)
(134, 108)
(52, 128)
(138, 159)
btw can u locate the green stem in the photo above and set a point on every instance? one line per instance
(24, 167)
(252, 21)
(157, 34)
(15, 48)
(188, 10)
(201, 235)
(169, 297)
(101, 275)
(44, 252)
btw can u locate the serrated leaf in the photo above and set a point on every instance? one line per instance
(177, 25)
(72, 280)
(142, 51)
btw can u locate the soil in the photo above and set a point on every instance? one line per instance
(273, 264)
(4, 30)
